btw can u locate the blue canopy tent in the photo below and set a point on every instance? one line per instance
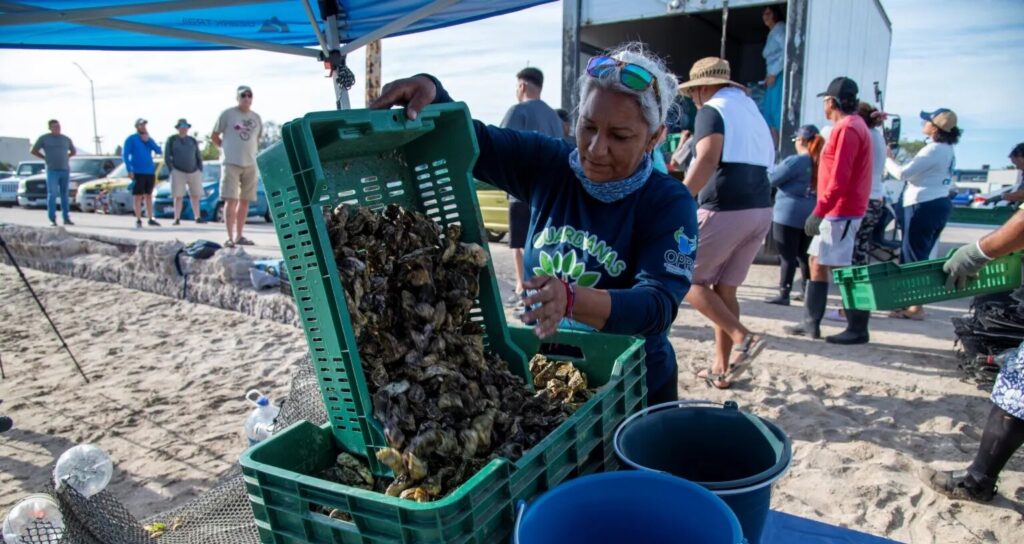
(334, 27)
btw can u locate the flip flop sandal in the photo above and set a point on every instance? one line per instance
(752, 346)
(713, 379)
(229, 243)
(243, 241)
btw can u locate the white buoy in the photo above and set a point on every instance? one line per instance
(85, 467)
(34, 519)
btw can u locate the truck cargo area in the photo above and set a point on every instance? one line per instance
(684, 38)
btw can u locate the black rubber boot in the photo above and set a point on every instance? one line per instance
(782, 299)
(960, 485)
(856, 329)
(816, 300)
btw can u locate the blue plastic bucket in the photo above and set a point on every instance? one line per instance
(735, 455)
(627, 507)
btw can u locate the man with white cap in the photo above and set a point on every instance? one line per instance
(186, 164)
(138, 159)
(237, 133)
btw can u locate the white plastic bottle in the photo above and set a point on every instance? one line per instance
(260, 423)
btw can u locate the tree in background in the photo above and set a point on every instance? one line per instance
(117, 151)
(910, 148)
(6, 166)
(210, 151)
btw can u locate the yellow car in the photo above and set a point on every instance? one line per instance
(494, 209)
(115, 187)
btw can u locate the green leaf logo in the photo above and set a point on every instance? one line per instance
(569, 263)
(576, 271)
(556, 263)
(588, 279)
(546, 266)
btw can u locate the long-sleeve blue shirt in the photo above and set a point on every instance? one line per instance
(774, 51)
(641, 249)
(137, 154)
(794, 200)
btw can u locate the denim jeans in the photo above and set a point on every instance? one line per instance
(57, 183)
(923, 223)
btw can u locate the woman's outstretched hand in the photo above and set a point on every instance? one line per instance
(414, 93)
(550, 293)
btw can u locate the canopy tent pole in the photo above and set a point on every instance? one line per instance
(372, 71)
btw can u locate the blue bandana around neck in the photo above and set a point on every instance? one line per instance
(611, 191)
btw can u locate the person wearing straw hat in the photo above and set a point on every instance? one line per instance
(729, 176)
(926, 204)
(611, 241)
(844, 186)
(186, 163)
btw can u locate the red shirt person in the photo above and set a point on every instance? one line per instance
(844, 186)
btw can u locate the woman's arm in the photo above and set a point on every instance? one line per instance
(784, 172)
(925, 159)
(511, 160)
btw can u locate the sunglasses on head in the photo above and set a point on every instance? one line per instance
(633, 76)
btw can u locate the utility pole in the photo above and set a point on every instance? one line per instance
(92, 95)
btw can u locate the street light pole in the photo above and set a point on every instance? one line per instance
(92, 94)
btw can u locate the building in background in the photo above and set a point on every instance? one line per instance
(13, 150)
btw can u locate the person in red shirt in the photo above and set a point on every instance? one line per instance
(844, 185)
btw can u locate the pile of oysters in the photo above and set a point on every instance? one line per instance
(447, 405)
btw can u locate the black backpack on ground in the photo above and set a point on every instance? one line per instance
(200, 249)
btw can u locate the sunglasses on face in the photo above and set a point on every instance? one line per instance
(246, 95)
(633, 76)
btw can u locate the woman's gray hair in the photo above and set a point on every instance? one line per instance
(654, 113)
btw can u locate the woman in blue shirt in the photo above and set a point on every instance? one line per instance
(794, 181)
(612, 242)
(774, 53)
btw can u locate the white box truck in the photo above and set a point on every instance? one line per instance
(824, 39)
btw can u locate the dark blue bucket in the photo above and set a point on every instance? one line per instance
(620, 507)
(733, 454)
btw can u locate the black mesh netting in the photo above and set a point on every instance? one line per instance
(222, 515)
(995, 325)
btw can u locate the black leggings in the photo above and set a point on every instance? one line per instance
(1003, 435)
(667, 392)
(792, 243)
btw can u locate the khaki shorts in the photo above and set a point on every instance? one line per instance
(182, 180)
(238, 182)
(728, 243)
(833, 246)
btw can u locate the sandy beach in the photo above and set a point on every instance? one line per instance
(168, 378)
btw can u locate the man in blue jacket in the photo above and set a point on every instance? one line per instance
(138, 159)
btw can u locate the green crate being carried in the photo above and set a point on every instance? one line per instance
(889, 286)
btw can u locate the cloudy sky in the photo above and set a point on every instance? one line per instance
(962, 54)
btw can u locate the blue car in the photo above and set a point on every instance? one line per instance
(211, 207)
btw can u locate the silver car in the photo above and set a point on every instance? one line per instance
(9, 185)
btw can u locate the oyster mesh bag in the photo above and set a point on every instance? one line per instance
(222, 515)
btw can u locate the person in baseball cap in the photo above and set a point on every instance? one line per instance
(844, 90)
(926, 204)
(943, 119)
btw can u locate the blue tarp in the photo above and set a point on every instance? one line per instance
(784, 528)
(280, 22)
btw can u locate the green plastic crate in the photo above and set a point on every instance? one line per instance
(370, 158)
(982, 216)
(887, 286)
(280, 472)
